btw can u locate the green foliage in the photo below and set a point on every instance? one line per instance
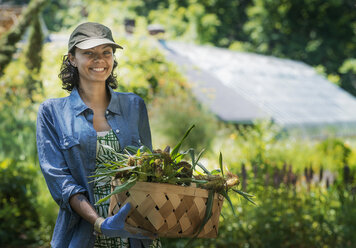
(19, 218)
(286, 217)
(17, 136)
(33, 51)
(266, 145)
(172, 116)
(337, 149)
(219, 22)
(9, 40)
(33, 57)
(309, 26)
(188, 23)
(63, 14)
(17, 115)
(48, 210)
(15, 143)
(143, 69)
(27, 212)
(316, 32)
(348, 75)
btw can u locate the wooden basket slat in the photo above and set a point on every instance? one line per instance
(189, 230)
(200, 204)
(181, 209)
(174, 199)
(208, 226)
(156, 219)
(167, 209)
(184, 222)
(159, 199)
(174, 230)
(138, 197)
(193, 213)
(146, 206)
(171, 221)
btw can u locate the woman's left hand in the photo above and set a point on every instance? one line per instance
(115, 226)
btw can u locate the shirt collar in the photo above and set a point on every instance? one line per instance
(79, 106)
(114, 105)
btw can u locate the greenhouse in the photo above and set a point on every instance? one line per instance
(240, 87)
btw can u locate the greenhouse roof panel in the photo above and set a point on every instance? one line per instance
(289, 92)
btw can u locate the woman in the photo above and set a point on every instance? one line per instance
(70, 132)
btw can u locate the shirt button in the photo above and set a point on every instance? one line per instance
(66, 143)
(117, 131)
(107, 112)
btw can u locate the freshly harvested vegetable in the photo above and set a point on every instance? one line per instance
(166, 166)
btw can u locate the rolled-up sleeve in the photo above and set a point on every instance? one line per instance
(144, 126)
(59, 179)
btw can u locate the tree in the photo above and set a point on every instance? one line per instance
(219, 21)
(9, 40)
(314, 31)
(34, 48)
(348, 72)
(33, 57)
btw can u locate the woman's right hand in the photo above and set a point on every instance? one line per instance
(115, 226)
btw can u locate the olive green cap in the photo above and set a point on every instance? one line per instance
(91, 34)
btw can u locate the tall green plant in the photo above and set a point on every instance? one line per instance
(33, 51)
(33, 56)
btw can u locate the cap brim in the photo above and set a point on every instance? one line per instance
(96, 42)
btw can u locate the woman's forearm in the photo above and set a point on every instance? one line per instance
(82, 206)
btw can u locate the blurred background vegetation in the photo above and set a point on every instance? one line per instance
(305, 188)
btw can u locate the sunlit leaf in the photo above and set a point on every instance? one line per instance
(177, 147)
(207, 215)
(204, 169)
(224, 193)
(215, 172)
(120, 188)
(245, 195)
(199, 156)
(221, 164)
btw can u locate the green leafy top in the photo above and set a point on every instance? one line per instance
(167, 166)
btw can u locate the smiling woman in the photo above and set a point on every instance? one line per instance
(97, 57)
(70, 132)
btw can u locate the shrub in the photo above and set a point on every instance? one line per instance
(286, 217)
(19, 218)
(172, 116)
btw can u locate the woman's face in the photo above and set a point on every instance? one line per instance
(95, 64)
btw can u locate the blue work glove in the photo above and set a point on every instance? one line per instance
(115, 226)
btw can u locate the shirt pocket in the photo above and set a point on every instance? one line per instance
(74, 155)
(68, 142)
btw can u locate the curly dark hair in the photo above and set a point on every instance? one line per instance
(70, 75)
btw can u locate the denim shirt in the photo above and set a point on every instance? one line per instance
(66, 143)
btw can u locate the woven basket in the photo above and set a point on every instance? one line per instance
(168, 210)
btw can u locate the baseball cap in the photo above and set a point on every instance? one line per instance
(91, 34)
